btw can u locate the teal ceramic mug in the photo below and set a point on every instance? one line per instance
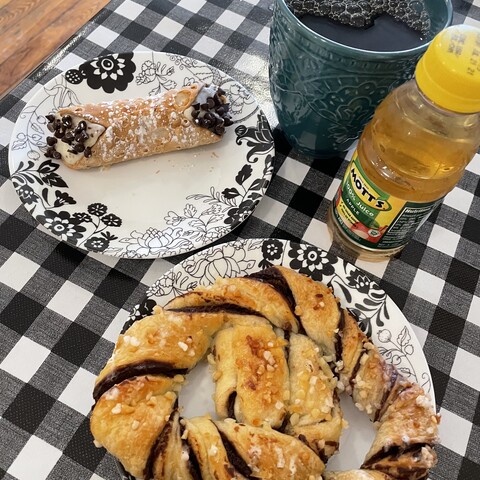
(325, 92)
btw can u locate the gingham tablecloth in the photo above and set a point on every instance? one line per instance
(61, 309)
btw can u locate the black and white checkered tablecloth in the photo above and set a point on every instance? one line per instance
(61, 308)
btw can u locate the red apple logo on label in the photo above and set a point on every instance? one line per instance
(372, 235)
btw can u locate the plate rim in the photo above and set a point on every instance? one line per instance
(138, 57)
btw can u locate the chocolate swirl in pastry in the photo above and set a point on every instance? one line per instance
(95, 135)
(282, 351)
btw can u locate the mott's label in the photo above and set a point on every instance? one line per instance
(372, 217)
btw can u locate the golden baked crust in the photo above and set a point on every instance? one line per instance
(207, 446)
(247, 293)
(170, 457)
(162, 343)
(250, 364)
(317, 308)
(133, 412)
(315, 416)
(141, 127)
(406, 432)
(269, 454)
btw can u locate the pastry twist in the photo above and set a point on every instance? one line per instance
(282, 350)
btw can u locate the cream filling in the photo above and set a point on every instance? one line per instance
(94, 130)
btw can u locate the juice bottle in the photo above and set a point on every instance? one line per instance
(413, 151)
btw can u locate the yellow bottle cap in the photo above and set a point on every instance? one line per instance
(449, 71)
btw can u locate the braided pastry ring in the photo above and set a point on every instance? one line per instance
(406, 421)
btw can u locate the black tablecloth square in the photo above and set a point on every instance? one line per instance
(199, 24)
(13, 231)
(221, 3)
(398, 295)
(469, 470)
(175, 47)
(20, 313)
(259, 15)
(76, 344)
(306, 201)
(81, 447)
(471, 228)
(63, 260)
(238, 41)
(446, 325)
(476, 417)
(160, 6)
(116, 288)
(463, 276)
(413, 253)
(4, 171)
(29, 408)
(136, 31)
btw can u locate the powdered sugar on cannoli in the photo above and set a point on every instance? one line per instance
(94, 135)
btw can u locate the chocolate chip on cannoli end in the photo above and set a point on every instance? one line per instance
(51, 141)
(67, 121)
(87, 152)
(213, 113)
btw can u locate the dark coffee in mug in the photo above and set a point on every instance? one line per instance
(375, 25)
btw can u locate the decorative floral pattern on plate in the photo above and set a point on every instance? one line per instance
(150, 208)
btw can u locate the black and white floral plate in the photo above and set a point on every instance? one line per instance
(379, 317)
(148, 208)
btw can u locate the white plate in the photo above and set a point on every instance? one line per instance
(148, 208)
(379, 317)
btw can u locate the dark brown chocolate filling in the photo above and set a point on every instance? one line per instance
(158, 447)
(286, 335)
(386, 394)
(283, 426)
(235, 459)
(339, 336)
(275, 279)
(193, 464)
(221, 307)
(394, 453)
(147, 367)
(231, 405)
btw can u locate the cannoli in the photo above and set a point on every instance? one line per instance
(95, 135)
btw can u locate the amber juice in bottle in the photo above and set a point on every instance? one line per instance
(412, 153)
